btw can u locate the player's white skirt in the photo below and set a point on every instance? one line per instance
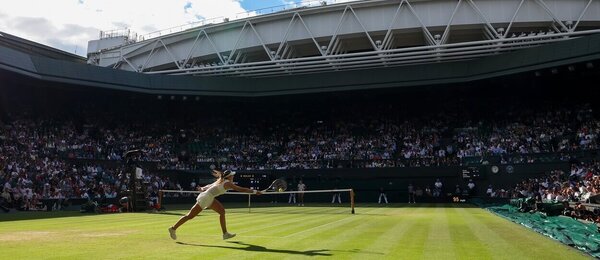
(204, 200)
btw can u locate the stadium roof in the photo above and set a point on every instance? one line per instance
(34, 48)
(39, 63)
(350, 36)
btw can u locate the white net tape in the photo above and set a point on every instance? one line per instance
(270, 192)
(350, 191)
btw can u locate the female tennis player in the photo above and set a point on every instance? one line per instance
(206, 199)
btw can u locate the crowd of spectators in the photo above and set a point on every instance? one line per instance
(357, 143)
(381, 142)
(37, 154)
(572, 189)
(342, 142)
(31, 183)
(363, 143)
(33, 168)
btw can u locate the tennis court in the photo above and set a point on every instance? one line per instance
(401, 231)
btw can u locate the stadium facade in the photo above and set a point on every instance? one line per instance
(351, 46)
(565, 45)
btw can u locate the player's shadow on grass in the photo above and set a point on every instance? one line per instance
(257, 248)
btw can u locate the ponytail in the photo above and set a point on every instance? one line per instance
(218, 175)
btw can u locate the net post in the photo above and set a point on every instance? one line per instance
(352, 200)
(160, 195)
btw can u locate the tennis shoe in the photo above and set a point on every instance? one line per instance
(172, 233)
(228, 235)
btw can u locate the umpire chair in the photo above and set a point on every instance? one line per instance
(137, 189)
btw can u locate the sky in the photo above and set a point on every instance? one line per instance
(69, 24)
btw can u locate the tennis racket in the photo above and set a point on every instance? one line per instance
(277, 185)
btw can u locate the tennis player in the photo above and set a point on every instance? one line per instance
(207, 199)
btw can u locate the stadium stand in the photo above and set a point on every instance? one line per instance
(79, 154)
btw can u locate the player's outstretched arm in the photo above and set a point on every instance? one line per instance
(232, 186)
(204, 188)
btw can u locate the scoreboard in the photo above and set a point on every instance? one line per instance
(255, 181)
(471, 172)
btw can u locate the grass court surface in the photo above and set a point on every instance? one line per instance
(398, 231)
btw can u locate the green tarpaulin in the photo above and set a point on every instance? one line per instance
(584, 236)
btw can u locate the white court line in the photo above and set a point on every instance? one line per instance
(306, 230)
(329, 223)
(292, 221)
(270, 226)
(280, 223)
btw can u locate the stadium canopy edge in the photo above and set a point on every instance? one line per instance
(45, 68)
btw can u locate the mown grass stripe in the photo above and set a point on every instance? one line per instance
(277, 222)
(466, 243)
(283, 223)
(314, 226)
(326, 227)
(412, 242)
(279, 227)
(439, 241)
(388, 232)
(331, 235)
(258, 218)
(208, 217)
(301, 244)
(392, 232)
(488, 237)
(526, 241)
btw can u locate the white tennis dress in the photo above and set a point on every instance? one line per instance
(206, 198)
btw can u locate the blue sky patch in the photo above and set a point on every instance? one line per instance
(187, 6)
(253, 4)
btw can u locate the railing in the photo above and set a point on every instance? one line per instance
(181, 28)
(119, 33)
(242, 15)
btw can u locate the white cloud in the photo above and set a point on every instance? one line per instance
(69, 24)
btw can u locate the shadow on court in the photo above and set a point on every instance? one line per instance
(257, 248)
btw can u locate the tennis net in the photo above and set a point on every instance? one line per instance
(267, 202)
